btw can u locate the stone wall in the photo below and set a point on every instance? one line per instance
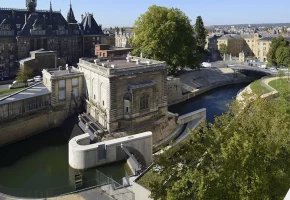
(27, 126)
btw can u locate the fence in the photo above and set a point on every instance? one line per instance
(108, 185)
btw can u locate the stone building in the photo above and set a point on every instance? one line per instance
(212, 47)
(122, 38)
(253, 45)
(63, 84)
(104, 50)
(125, 93)
(25, 30)
(40, 60)
(42, 106)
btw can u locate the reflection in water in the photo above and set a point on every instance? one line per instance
(215, 101)
(41, 162)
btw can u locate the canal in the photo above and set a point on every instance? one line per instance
(39, 164)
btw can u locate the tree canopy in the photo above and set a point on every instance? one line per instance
(275, 44)
(165, 34)
(283, 56)
(200, 32)
(223, 49)
(23, 75)
(243, 155)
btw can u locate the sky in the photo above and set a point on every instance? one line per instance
(111, 13)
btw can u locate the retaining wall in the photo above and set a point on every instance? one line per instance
(83, 155)
(27, 126)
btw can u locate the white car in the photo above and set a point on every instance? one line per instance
(273, 70)
(37, 78)
(206, 64)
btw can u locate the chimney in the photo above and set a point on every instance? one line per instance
(90, 20)
(13, 14)
(82, 16)
(25, 18)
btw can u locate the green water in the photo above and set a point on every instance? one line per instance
(41, 163)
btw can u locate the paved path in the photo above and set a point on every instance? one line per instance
(4, 87)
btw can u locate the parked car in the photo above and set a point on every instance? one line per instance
(262, 66)
(37, 78)
(206, 64)
(273, 69)
(19, 84)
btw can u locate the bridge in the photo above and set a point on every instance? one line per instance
(253, 69)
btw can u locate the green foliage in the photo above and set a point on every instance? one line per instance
(10, 91)
(24, 75)
(283, 56)
(200, 32)
(223, 49)
(167, 35)
(243, 155)
(258, 89)
(276, 43)
(282, 87)
(150, 176)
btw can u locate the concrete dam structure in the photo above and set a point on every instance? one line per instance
(83, 155)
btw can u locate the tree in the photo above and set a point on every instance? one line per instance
(223, 49)
(276, 43)
(280, 76)
(167, 35)
(283, 56)
(200, 33)
(240, 156)
(23, 75)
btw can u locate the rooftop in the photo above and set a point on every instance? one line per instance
(122, 62)
(69, 71)
(34, 91)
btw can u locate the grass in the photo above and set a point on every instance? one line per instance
(149, 177)
(10, 91)
(280, 85)
(258, 89)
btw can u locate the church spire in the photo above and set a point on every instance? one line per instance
(70, 15)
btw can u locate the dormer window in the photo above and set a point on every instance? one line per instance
(18, 26)
(5, 27)
(60, 27)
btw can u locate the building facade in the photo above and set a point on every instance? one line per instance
(25, 30)
(122, 38)
(104, 50)
(125, 93)
(40, 60)
(253, 45)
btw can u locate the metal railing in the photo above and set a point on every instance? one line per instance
(100, 181)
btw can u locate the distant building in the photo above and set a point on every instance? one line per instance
(125, 93)
(212, 47)
(25, 30)
(253, 45)
(122, 38)
(40, 60)
(104, 50)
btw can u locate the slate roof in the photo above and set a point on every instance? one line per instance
(89, 26)
(49, 20)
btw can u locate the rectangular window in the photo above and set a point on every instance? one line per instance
(61, 95)
(144, 102)
(75, 81)
(61, 90)
(76, 92)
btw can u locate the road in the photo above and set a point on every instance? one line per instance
(4, 87)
